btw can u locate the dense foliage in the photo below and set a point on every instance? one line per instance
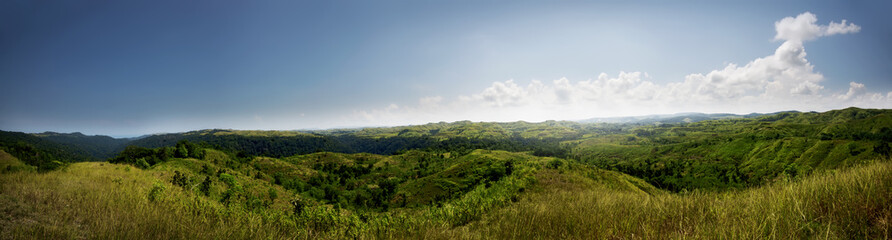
(99, 147)
(743, 152)
(43, 154)
(284, 146)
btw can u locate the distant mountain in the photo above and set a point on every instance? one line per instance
(543, 138)
(97, 146)
(672, 118)
(40, 152)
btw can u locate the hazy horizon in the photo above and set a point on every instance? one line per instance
(126, 69)
(592, 119)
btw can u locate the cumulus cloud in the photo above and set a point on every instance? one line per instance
(784, 80)
(504, 94)
(803, 28)
(855, 90)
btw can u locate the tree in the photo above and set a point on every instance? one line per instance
(182, 151)
(165, 153)
(138, 156)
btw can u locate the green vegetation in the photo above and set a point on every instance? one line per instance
(786, 175)
(10, 164)
(849, 204)
(739, 153)
(43, 154)
(540, 200)
(99, 147)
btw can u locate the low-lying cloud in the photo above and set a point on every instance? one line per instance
(784, 80)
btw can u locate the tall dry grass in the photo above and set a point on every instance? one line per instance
(846, 204)
(108, 201)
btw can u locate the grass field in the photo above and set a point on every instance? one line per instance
(571, 201)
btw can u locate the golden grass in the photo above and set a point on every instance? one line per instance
(848, 204)
(109, 201)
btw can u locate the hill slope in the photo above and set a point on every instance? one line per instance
(786, 175)
(98, 146)
(101, 200)
(39, 152)
(737, 153)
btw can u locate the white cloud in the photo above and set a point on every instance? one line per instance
(855, 90)
(803, 28)
(784, 80)
(841, 28)
(505, 93)
(807, 88)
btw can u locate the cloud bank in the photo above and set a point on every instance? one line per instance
(784, 80)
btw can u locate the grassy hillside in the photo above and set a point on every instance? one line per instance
(9, 164)
(848, 204)
(714, 154)
(786, 175)
(738, 153)
(546, 198)
(170, 200)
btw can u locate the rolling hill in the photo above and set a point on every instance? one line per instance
(784, 175)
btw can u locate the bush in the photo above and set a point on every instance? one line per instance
(234, 191)
(155, 193)
(554, 164)
(52, 165)
(273, 194)
(141, 163)
(180, 179)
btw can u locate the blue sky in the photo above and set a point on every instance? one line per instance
(126, 68)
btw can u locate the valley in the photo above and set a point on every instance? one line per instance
(776, 176)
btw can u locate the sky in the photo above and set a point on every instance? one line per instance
(128, 68)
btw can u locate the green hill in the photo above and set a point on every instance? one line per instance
(848, 204)
(541, 198)
(737, 153)
(41, 153)
(98, 146)
(785, 175)
(9, 163)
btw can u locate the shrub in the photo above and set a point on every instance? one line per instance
(155, 193)
(234, 191)
(205, 187)
(138, 156)
(141, 163)
(229, 180)
(180, 179)
(206, 170)
(554, 164)
(273, 194)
